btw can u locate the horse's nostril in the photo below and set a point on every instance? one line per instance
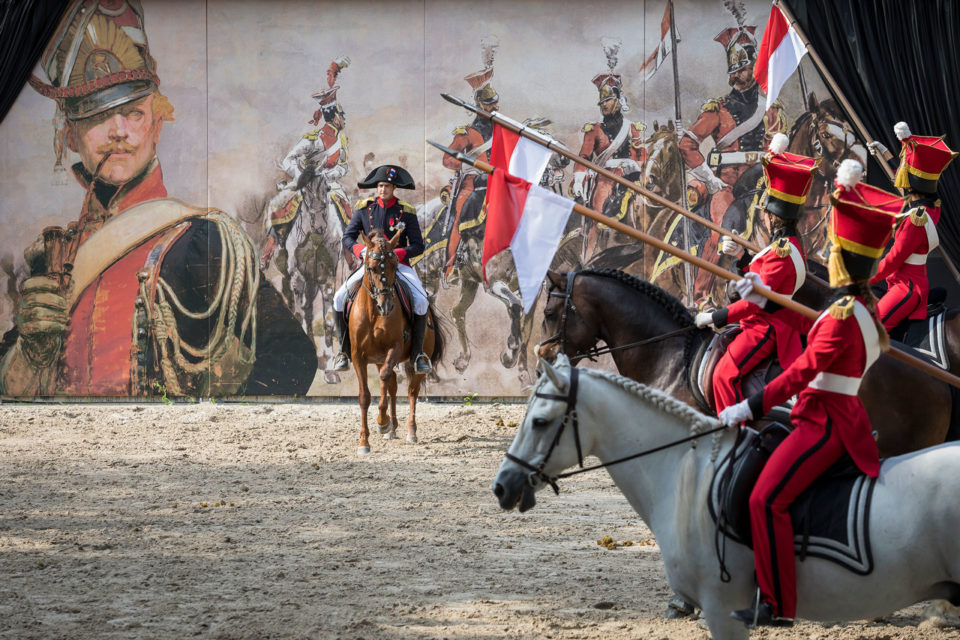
(498, 490)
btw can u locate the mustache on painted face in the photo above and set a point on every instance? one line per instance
(115, 146)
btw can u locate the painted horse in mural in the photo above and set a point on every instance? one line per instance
(822, 132)
(307, 220)
(380, 334)
(647, 442)
(908, 409)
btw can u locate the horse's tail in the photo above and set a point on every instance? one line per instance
(439, 336)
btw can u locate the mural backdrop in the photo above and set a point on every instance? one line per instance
(175, 184)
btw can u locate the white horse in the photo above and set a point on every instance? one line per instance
(913, 521)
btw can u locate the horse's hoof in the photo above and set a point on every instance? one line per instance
(385, 428)
(461, 363)
(412, 440)
(363, 451)
(331, 377)
(678, 608)
(508, 358)
(390, 435)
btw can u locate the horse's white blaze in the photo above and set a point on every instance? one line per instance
(913, 520)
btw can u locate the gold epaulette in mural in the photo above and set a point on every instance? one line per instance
(782, 248)
(361, 204)
(587, 128)
(712, 104)
(842, 308)
(918, 216)
(461, 130)
(312, 135)
(407, 207)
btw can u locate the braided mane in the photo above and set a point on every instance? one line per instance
(666, 301)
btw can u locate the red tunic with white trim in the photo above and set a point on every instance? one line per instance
(905, 267)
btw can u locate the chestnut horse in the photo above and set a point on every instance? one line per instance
(908, 409)
(380, 334)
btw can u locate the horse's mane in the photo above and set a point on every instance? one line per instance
(659, 399)
(668, 302)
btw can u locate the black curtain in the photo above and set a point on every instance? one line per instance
(25, 28)
(893, 61)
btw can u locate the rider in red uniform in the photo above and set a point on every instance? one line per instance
(828, 417)
(781, 267)
(922, 160)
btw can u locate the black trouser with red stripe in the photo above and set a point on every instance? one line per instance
(806, 453)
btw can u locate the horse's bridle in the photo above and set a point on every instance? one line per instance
(570, 416)
(593, 352)
(384, 290)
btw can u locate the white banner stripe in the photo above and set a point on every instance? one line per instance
(544, 219)
(783, 62)
(529, 160)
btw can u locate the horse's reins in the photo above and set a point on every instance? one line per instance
(376, 292)
(593, 352)
(571, 416)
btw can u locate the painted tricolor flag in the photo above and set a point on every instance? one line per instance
(779, 54)
(528, 219)
(664, 47)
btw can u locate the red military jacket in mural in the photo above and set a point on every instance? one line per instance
(142, 323)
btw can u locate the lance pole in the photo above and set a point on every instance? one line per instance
(558, 148)
(687, 269)
(857, 122)
(697, 261)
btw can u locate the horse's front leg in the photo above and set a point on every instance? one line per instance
(468, 292)
(388, 396)
(413, 392)
(364, 398)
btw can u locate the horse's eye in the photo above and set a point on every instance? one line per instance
(549, 313)
(540, 423)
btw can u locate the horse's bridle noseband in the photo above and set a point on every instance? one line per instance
(383, 290)
(570, 415)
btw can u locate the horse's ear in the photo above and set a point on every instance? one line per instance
(656, 126)
(395, 240)
(555, 279)
(365, 240)
(554, 375)
(670, 126)
(812, 102)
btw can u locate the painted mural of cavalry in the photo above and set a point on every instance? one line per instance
(573, 414)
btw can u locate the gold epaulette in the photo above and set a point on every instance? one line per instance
(918, 216)
(407, 207)
(312, 135)
(842, 308)
(782, 248)
(587, 128)
(461, 130)
(712, 105)
(363, 203)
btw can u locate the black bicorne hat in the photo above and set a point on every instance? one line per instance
(388, 173)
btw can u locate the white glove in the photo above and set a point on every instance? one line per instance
(735, 414)
(877, 149)
(576, 188)
(729, 247)
(703, 174)
(282, 185)
(703, 319)
(746, 288)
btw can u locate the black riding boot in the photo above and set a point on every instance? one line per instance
(421, 363)
(342, 360)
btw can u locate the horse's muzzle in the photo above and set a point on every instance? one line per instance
(513, 490)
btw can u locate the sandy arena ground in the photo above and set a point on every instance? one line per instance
(260, 521)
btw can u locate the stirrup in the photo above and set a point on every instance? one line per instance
(422, 364)
(761, 616)
(341, 362)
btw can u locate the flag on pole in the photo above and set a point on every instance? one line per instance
(779, 54)
(528, 219)
(517, 155)
(664, 47)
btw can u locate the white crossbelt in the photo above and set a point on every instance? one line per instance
(735, 157)
(836, 383)
(933, 241)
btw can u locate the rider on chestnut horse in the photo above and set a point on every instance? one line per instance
(905, 265)
(387, 213)
(781, 266)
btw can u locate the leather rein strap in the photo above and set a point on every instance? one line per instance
(571, 416)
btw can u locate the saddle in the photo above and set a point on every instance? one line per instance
(403, 295)
(927, 337)
(705, 361)
(829, 518)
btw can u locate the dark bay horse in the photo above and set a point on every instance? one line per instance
(909, 409)
(380, 334)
